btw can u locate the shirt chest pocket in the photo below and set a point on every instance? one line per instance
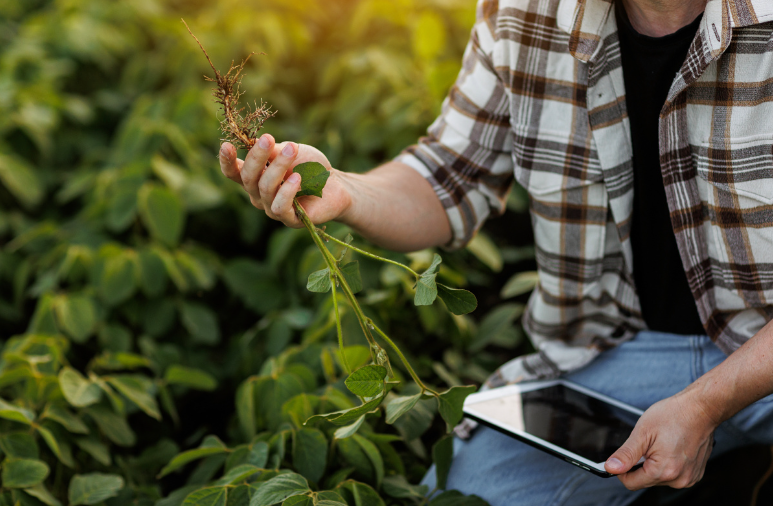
(569, 208)
(735, 181)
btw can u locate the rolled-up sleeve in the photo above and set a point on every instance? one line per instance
(466, 155)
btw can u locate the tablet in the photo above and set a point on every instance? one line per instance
(567, 420)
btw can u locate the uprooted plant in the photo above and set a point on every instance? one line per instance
(372, 382)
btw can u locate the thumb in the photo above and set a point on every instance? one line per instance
(627, 455)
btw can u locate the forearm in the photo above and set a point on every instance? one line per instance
(394, 207)
(740, 380)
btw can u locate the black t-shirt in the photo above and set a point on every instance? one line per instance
(650, 65)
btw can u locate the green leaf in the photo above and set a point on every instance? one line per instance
(238, 474)
(78, 391)
(159, 317)
(309, 453)
(523, 282)
(118, 280)
(351, 272)
(93, 488)
(190, 377)
(19, 445)
(373, 455)
(398, 406)
(76, 316)
(313, 178)
(21, 180)
(497, 326)
(319, 281)
(347, 416)
(15, 413)
(112, 425)
(442, 455)
(135, 388)
(41, 493)
(359, 494)
(398, 487)
(115, 338)
(279, 488)
(99, 451)
(298, 500)
(162, 213)
(367, 381)
(122, 209)
(486, 251)
(200, 322)
(60, 448)
(451, 402)
(23, 473)
(456, 498)
(457, 301)
(207, 448)
(417, 421)
(245, 407)
(153, 277)
(211, 496)
(426, 287)
(349, 430)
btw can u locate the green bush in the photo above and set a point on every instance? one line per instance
(159, 344)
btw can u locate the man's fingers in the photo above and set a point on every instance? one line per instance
(255, 163)
(282, 207)
(275, 174)
(638, 479)
(627, 455)
(230, 166)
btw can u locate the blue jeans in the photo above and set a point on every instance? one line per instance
(650, 367)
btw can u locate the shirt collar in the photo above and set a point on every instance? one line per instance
(584, 21)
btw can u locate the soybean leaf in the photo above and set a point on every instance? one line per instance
(21, 180)
(326, 502)
(210, 446)
(373, 455)
(313, 178)
(351, 272)
(319, 282)
(93, 488)
(210, 496)
(135, 390)
(417, 421)
(298, 500)
(450, 404)
(162, 213)
(200, 322)
(190, 377)
(367, 381)
(112, 425)
(426, 287)
(19, 445)
(398, 406)
(41, 493)
(279, 488)
(497, 326)
(456, 498)
(99, 451)
(523, 282)
(457, 301)
(65, 418)
(398, 487)
(238, 474)
(359, 494)
(153, 277)
(15, 413)
(310, 453)
(347, 416)
(349, 430)
(76, 316)
(486, 251)
(442, 454)
(23, 473)
(245, 407)
(330, 496)
(60, 448)
(78, 391)
(255, 455)
(118, 280)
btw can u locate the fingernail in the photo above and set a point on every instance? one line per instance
(223, 151)
(263, 143)
(289, 149)
(614, 463)
(294, 178)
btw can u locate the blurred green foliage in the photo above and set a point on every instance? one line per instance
(146, 309)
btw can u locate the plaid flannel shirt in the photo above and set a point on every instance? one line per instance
(541, 99)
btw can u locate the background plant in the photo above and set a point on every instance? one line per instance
(156, 312)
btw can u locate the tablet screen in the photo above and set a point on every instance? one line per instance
(577, 422)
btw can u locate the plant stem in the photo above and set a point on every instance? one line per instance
(424, 388)
(363, 252)
(338, 324)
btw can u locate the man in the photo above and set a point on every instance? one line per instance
(642, 131)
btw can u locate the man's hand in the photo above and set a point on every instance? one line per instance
(273, 188)
(675, 437)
